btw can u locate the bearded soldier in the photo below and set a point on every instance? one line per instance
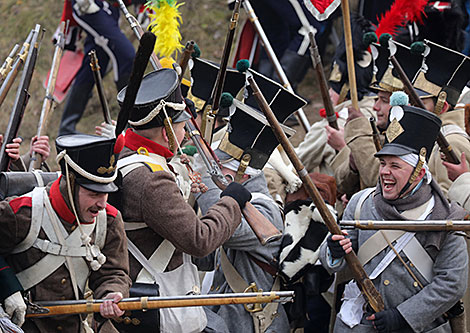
(420, 275)
(156, 216)
(63, 236)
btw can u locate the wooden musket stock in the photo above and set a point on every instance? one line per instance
(416, 101)
(188, 51)
(363, 281)
(15, 68)
(318, 66)
(57, 308)
(48, 103)
(22, 97)
(375, 134)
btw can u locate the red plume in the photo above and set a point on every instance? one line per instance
(401, 12)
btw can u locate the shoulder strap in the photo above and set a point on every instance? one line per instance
(36, 220)
(454, 129)
(367, 192)
(101, 228)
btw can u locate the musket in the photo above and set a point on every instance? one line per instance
(427, 225)
(318, 66)
(274, 60)
(444, 145)
(15, 67)
(7, 64)
(188, 50)
(57, 308)
(212, 108)
(262, 227)
(22, 97)
(375, 134)
(49, 103)
(95, 68)
(363, 281)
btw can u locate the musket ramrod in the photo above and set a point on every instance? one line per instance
(427, 225)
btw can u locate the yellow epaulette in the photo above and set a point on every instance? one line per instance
(154, 167)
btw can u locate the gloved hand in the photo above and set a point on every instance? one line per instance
(15, 307)
(237, 192)
(106, 130)
(339, 245)
(388, 320)
(86, 7)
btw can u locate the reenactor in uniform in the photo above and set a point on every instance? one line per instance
(420, 275)
(62, 237)
(156, 216)
(242, 261)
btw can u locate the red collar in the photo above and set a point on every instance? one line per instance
(58, 203)
(134, 141)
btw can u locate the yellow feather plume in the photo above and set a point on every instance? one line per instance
(165, 20)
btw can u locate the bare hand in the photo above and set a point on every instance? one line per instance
(335, 138)
(13, 149)
(109, 308)
(353, 114)
(455, 170)
(40, 146)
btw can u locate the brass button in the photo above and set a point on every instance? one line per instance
(212, 288)
(62, 298)
(386, 282)
(74, 227)
(415, 284)
(59, 328)
(411, 264)
(217, 288)
(63, 281)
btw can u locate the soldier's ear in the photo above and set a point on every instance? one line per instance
(164, 135)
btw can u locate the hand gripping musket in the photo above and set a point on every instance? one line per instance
(22, 97)
(444, 145)
(95, 68)
(375, 134)
(188, 50)
(274, 61)
(427, 225)
(365, 284)
(15, 68)
(49, 103)
(7, 64)
(57, 308)
(262, 227)
(212, 108)
(318, 66)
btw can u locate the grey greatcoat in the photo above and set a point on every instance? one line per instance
(422, 309)
(238, 248)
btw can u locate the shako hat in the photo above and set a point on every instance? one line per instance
(249, 134)
(386, 77)
(159, 95)
(203, 78)
(444, 72)
(92, 159)
(411, 129)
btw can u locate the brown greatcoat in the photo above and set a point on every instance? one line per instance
(155, 199)
(15, 219)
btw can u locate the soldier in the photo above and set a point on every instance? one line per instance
(421, 275)
(242, 261)
(156, 216)
(61, 237)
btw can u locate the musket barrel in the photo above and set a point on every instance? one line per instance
(55, 308)
(188, 50)
(427, 225)
(7, 64)
(95, 68)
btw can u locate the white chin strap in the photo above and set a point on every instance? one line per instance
(93, 252)
(163, 104)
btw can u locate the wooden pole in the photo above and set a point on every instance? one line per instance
(363, 281)
(349, 53)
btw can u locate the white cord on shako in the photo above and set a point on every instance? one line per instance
(92, 251)
(156, 111)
